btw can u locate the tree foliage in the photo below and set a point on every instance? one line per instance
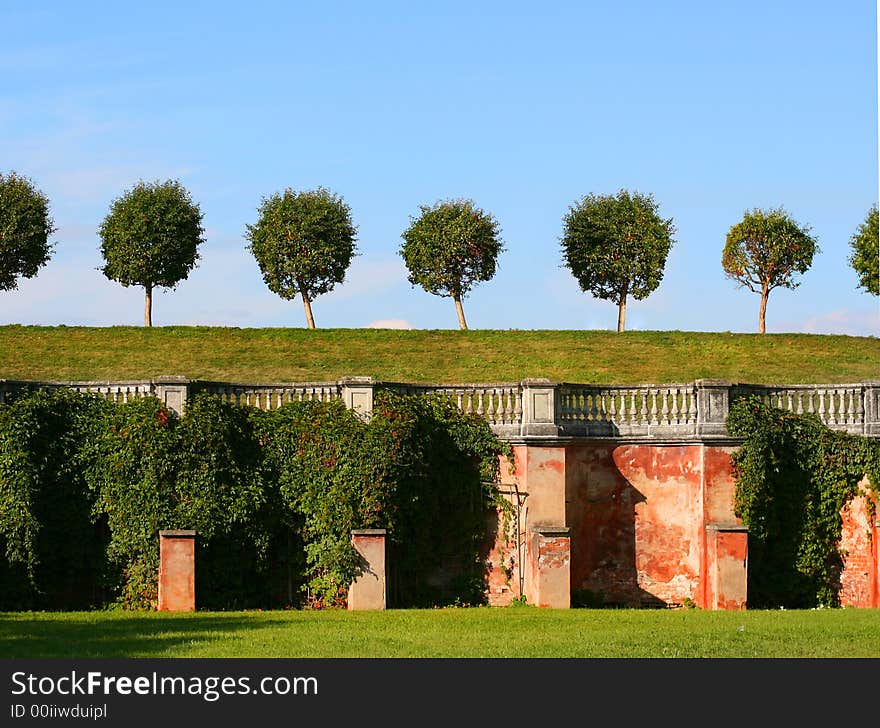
(450, 247)
(25, 227)
(766, 250)
(151, 238)
(865, 254)
(616, 246)
(304, 243)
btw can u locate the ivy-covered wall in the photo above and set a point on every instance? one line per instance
(796, 480)
(86, 484)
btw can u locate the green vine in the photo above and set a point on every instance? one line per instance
(421, 469)
(86, 484)
(794, 475)
(49, 541)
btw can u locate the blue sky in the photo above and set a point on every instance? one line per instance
(714, 108)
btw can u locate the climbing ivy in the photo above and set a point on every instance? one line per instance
(421, 469)
(86, 485)
(793, 477)
(49, 542)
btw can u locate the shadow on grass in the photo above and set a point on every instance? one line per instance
(96, 636)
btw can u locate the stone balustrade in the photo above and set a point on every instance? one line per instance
(270, 396)
(644, 410)
(501, 403)
(840, 406)
(537, 408)
(116, 391)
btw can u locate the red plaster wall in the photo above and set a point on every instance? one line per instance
(636, 517)
(502, 568)
(500, 548)
(720, 485)
(550, 571)
(726, 570)
(858, 544)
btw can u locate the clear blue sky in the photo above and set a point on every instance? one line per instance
(712, 107)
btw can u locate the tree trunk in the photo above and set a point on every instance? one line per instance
(307, 305)
(621, 313)
(461, 322)
(148, 305)
(763, 312)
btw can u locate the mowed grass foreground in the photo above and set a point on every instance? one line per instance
(479, 632)
(441, 356)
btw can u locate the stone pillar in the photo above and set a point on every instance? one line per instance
(367, 591)
(549, 580)
(713, 406)
(172, 392)
(871, 394)
(726, 566)
(177, 571)
(357, 393)
(539, 408)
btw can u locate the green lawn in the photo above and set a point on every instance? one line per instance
(469, 632)
(443, 356)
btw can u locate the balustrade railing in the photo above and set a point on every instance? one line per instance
(115, 391)
(501, 404)
(271, 396)
(839, 406)
(626, 410)
(537, 407)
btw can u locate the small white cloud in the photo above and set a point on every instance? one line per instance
(390, 324)
(841, 321)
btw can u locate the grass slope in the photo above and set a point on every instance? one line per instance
(471, 632)
(447, 356)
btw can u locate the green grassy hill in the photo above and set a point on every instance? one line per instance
(443, 356)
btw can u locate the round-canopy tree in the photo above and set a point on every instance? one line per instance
(150, 238)
(303, 243)
(765, 251)
(451, 246)
(25, 227)
(865, 254)
(616, 246)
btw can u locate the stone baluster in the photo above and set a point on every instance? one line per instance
(871, 407)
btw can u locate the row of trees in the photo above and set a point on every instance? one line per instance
(615, 245)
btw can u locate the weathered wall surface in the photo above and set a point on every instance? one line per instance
(177, 582)
(860, 578)
(649, 525)
(368, 591)
(636, 513)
